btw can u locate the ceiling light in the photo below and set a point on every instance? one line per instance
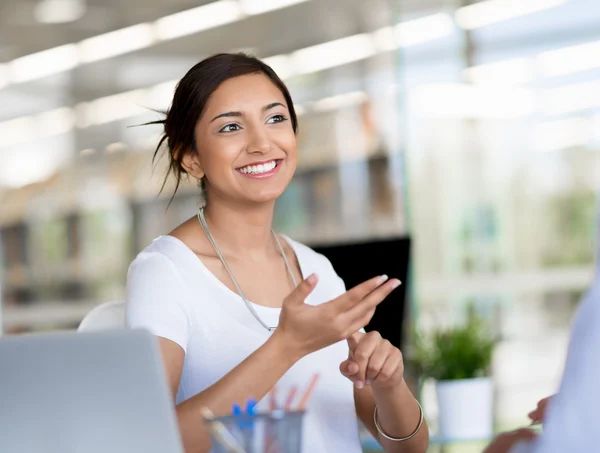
(262, 6)
(59, 11)
(198, 19)
(41, 64)
(572, 98)
(458, 100)
(509, 72)
(384, 39)
(281, 64)
(56, 122)
(490, 12)
(87, 152)
(18, 130)
(114, 108)
(333, 53)
(570, 59)
(339, 101)
(116, 42)
(115, 147)
(424, 29)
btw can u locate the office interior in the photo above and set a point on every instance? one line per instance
(470, 128)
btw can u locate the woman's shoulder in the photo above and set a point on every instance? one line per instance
(163, 252)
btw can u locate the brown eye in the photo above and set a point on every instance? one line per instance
(276, 119)
(230, 128)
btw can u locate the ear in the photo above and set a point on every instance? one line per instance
(191, 164)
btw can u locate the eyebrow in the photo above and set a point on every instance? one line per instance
(237, 113)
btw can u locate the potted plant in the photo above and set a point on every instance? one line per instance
(459, 359)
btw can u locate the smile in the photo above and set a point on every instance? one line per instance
(263, 169)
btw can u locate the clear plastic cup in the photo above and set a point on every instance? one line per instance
(276, 432)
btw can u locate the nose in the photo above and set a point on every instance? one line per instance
(258, 141)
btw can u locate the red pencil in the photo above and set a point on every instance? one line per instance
(308, 392)
(290, 399)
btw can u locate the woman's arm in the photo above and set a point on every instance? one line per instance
(302, 330)
(376, 368)
(253, 378)
(398, 415)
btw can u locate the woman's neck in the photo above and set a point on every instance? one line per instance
(242, 230)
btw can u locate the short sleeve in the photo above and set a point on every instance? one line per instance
(154, 299)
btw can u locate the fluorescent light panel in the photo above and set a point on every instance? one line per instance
(491, 12)
(251, 7)
(572, 98)
(457, 100)
(117, 42)
(339, 101)
(198, 19)
(424, 29)
(45, 63)
(509, 72)
(333, 53)
(570, 59)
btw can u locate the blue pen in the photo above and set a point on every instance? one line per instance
(237, 410)
(251, 407)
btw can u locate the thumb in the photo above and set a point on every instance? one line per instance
(354, 339)
(349, 368)
(301, 292)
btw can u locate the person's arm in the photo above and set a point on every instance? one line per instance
(253, 378)
(571, 422)
(376, 368)
(302, 330)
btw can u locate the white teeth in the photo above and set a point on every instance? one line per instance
(258, 169)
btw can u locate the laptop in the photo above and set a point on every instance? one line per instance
(85, 393)
(356, 262)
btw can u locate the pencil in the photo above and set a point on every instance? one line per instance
(273, 399)
(290, 398)
(308, 392)
(221, 433)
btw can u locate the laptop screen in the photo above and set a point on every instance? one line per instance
(359, 261)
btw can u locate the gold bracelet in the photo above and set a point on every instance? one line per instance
(400, 439)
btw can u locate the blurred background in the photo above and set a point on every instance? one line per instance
(471, 127)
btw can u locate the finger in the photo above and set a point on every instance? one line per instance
(391, 366)
(349, 368)
(301, 292)
(376, 362)
(353, 296)
(361, 355)
(353, 341)
(370, 302)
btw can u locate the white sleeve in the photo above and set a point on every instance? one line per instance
(572, 421)
(154, 301)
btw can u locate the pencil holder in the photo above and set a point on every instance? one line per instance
(274, 432)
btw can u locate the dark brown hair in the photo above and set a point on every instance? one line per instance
(190, 99)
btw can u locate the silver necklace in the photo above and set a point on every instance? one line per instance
(204, 225)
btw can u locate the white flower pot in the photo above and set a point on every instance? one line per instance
(465, 408)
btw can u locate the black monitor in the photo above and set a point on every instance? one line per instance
(358, 261)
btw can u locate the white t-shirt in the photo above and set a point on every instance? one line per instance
(172, 294)
(572, 422)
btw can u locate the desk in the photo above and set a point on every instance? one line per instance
(436, 445)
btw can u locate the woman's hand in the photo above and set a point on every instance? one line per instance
(305, 328)
(538, 415)
(505, 442)
(373, 361)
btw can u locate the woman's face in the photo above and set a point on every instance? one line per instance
(245, 141)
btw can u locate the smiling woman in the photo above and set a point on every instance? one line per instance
(236, 307)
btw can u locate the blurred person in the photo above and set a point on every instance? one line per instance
(239, 309)
(569, 417)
